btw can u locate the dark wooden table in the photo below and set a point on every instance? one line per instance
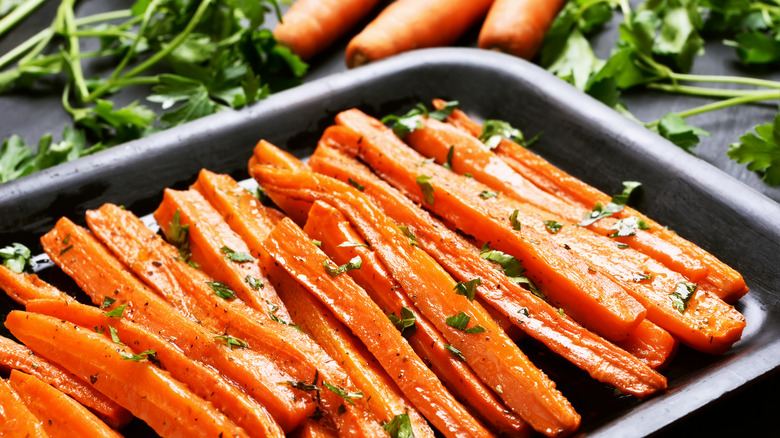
(748, 412)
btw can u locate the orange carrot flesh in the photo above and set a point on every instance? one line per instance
(412, 24)
(204, 381)
(100, 275)
(651, 344)
(312, 429)
(218, 250)
(311, 26)
(590, 297)
(518, 27)
(60, 415)
(377, 389)
(24, 287)
(293, 351)
(601, 359)
(295, 253)
(149, 393)
(494, 357)
(14, 356)
(726, 282)
(332, 229)
(16, 420)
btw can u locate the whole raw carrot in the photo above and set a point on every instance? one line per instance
(413, 24)
(559, 332)
(311, 26)
(518, 27)
(150, 393)
(204, 381)
(60, 415)
(16, 420)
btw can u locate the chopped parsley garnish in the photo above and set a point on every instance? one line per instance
(510, 266)
(516, 225)
(424, 181)
(17, 256)
(468, 289)
(682, 294)
(487, 194)
(408, 233)
(275, 318)
(628, 227)
(348, 244)
(221, 290)
(356, 184)
(411, 121)
(639, 277)
(406, 323)
(454, 351)
(494, 130)
(66, 249)
(426, 161)
(232, 342)
(355, 263)
(234, 256)
(400, 426)
(253, 282)
(114, 335)
(460, 321)
(553, 227)
(343, 393)
(179, 236)
(450, 155)
(107, 302)
(149, 355)
(616, 205)
(116, 312)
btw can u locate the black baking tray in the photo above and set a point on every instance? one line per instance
(578, 134)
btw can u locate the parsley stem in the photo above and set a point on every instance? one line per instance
(18, 14)
(68, 26)
(702, 91)
(754, 97)
(724, 79)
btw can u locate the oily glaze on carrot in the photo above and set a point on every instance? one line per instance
(518, 27)
(158, 264)
(16, 420)
(24, 287)
(590, 297)
(413, 24)
(727, 283)
(601, 359)
(101, 275)
(204, 381)
(60, 415)
(312, 429)
(332, 229)
(651, 344)
(311, 26)
(150, 393)
(294, 252)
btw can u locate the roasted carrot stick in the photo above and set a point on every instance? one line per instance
(16, 420)
(294, 252)
(156, 262)
(651, 344)
(24, 287)
(202, 380)
(60, 415)
(377, 389)
(332, 229)
(601, 359)
(412, 24)
(311, 26)
(219, 251)
(518, 27)
(312, 429)
(727, 283)
(150, 393)
(100, 275)
(589, 296)
(14, 356)
(295, 210)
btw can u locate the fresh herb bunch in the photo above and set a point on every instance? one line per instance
(658, 42)
(215, 55)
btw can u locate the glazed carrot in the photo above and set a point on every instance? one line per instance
(16, 420)
(156, 262)
(272, 155)
(726, 282)
(332, 229)
(413, 24)
(14, 356)
(560, 333)
(24, 287)
(651, 344)
(295, 253)
(312, 429)
(589, 296)
(219, 251)
(202, 380)
(311, 26)
(100, 275)
(378, 390)
(150, 393)
(518, 27)
(60, 415)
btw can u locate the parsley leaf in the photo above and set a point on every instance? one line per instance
(408, 233)
(468, 289)
(179, 236)
(455, 351)
(116, 312)
(400, 426)
(107, 302)
(253, 282)
(615, 205)
(516, 225)
(16, 257)
(682, 294)
(460, 321)
(149, 355)
(628, 227)
(487, 194)
(343, 393)
(234, 256)
(406, 323)
(355, 263)
(221, 290)
(552, 226)
(673, 128)
(494, 130)
(232, 342)
(424, 182)
(761, 151)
